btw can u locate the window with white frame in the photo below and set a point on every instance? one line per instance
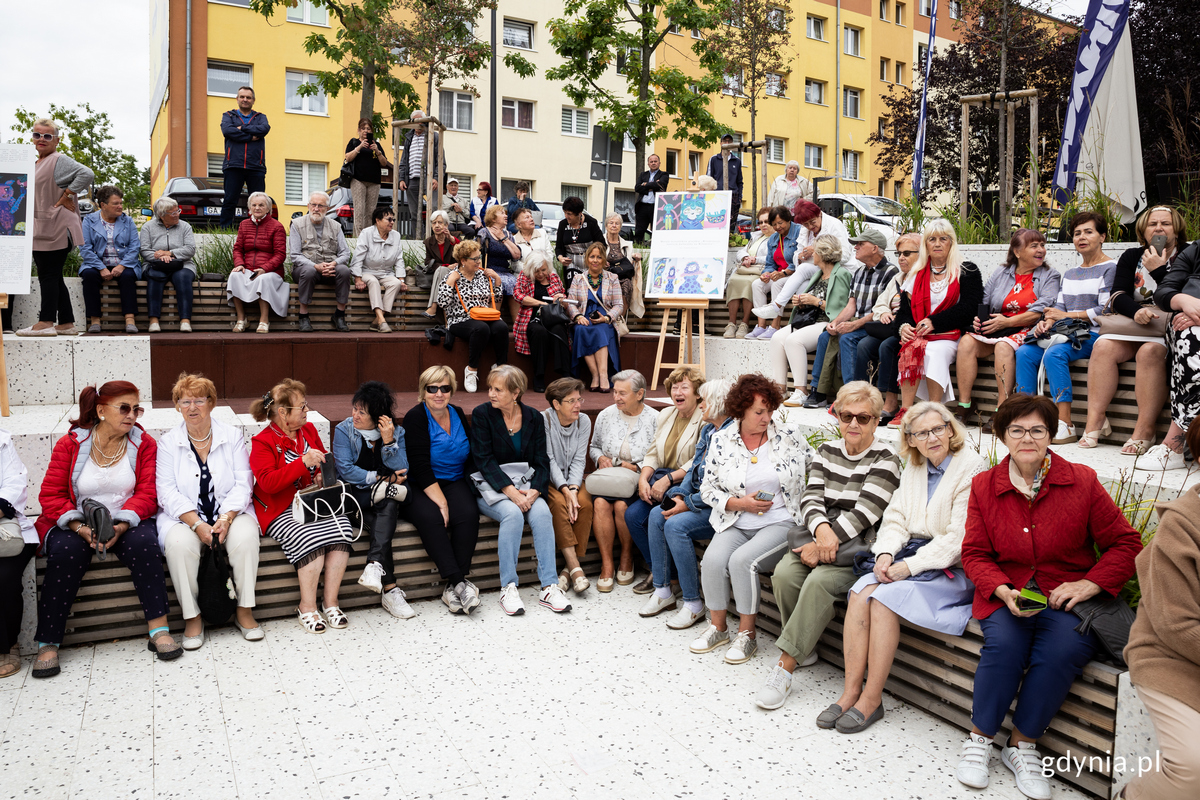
(305, 11)
(885, 69)
(694, 164)
(814, 91)
(576, 122)
(300, 179)
(307, 103)
(814, 156)
(896, 191)
(899, 13)
(518, 34)
(816, 27)
(242, 3)
(516, 114)
(883, 9)
(697, 33)
(627, 144)
(882, 130)
(853, 41)
(777, 18)
(733, 83)
(925, 8)
(882, 188)
(776, 85)
(922, 55)
(624, 56)
(570, 190)
(224, 79)
(850, 161)
(674, 28)
(954, 7)
(775, 150)
(456, 110)
(899, 72)
(851, 103)
(508, 186)
(672, 163)
(215, 162)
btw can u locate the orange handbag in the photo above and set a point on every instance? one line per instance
(479, 312)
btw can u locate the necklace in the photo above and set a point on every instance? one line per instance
(103, 459)
(202, 439)
(595, 283)
(513, 428)
(754, 450)
(937, 271)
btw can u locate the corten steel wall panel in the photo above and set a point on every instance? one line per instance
(168, 359)
(254, 367)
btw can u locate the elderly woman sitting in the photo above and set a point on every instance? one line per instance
(754, 474)
(468, 287)
(538, 335)
(18, 543)
(110, 252)
(850, 484)
(1043, 535)
(567, 434)
(204, 485)
(368, 450)
(258, 254)
(167, 249)
(378, 266)
(917, 572)
(594, 302)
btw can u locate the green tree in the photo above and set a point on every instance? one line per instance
(84, 135)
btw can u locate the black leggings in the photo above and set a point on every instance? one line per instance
(379, 523)
(450, 548)
(12, 596)
(478, 333)
(56, 301)
(543, 342)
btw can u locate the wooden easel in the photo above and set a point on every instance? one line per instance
(4, 411)
(686, 349)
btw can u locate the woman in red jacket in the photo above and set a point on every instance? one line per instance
(1036, 522)
(258, 254)
(105, 456)
(286, 457)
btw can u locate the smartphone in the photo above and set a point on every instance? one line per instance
(983, 312)
(1159, 243)
(760, 495)
(1029, 600)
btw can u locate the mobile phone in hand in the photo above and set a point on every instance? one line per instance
(765, 496)
(1029, 600)
(1159, 243)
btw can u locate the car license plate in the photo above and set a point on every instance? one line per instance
(212, 211)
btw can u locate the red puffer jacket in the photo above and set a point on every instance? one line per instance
(260, 245)
(276, 481)
(60, 503)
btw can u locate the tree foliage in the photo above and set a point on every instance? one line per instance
(84, 134)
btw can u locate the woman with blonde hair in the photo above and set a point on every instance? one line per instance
(595, 303)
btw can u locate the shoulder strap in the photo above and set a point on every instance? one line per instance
(491, 294)
(592, 292)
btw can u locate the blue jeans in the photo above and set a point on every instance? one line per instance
(512, 524)
(818, 360)
(671, 540)
(852, 370)
(1042, 655)
(157, 274)
(1058, 374)
(637, 517)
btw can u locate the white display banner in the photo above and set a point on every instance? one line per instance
(690, 246)
(16, 217)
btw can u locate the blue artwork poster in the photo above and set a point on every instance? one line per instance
(690, 246)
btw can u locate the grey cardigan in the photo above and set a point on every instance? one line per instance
(1046, 284)
(178, 239)
(568, 448)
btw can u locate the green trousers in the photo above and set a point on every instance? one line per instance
(806, 596)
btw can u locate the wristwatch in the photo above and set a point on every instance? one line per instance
(196, 524)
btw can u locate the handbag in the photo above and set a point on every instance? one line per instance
(619, 324)
(1110, 619)
(1113, 323)
(97, 517)
(615, 482)
(346, 175)
(325, 502)
(809, 315)
(553, 314)
(216, 595)
(519, 472)
(479, 312)
(12, 542)
(384, 489)
(799, 536)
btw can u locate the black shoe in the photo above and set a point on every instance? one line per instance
(305, 324)
(887, 416)
(339, 322)
(539, 386)
(815, 400)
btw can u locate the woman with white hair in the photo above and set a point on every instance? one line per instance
(789, 187)
(538, 286)
(623, 262)
(378, 266)
(258, 254)
(168, 245)
(439, 257)
(529, 237)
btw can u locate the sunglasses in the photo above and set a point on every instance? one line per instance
(125, 409)
(907, 253)
(862, 419)
(444, 388)
(42, 137)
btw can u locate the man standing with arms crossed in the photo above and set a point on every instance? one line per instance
(245, 153)
(650, 182)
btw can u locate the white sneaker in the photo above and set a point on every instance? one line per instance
(395, 604)
(510, 601)
(470, 380)
(973, 763)
(185, 327)
(684, 618)
(468, 596)
(775, 692)
(1160, 458)
(451, 599)
(742, 650)
(1026, 765)
(372, 577)
(553, 599)
(810, 659)
(769, 311)
(768, 333)
(655, 605)
(155, 328)
(742, 332)
(730, 330)
(1065, 434)
(796, 400)
(711, 639)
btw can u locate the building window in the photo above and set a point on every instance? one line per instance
(674, 28)
(733, 83)
(694, 164)
(305, 11)
(885, 70)
(569, 190)
(850, 103)
(516, 114)
(508, 187)
(814, 156)
(242, 3)
(883, 9)
(777, 18)
(922, 55)
(456, 110)
(225, 79)
(215, 162)
(575, 122)
(850, 159)
(776, 85)
(899, 13)
(300, 179)
(853, 41)
(465, 193)
(896, 191)
(697, 33)
(955, 9)
(925, 8)
(627, 144)
(775, 150)
(882, 191)
(816, 28)
(304, 104)
(518, 34)
(814, 91)
(899, 72)
(882, 131)
(672, 163)
(624, 56)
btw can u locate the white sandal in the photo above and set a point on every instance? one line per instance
(1139, 446)
(336, 618)
(1091, 439)
(239, 326)
(263, 327)
(580, 584)
(311, 621)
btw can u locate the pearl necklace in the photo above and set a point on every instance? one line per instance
(202, 439)
(105, 460)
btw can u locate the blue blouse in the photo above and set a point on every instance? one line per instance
(448, 451)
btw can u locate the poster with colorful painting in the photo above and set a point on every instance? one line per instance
(690, 245)
(686, 278)
(16, 217)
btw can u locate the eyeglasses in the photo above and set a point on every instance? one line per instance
(907, 253)
(443, 388)
(578, 401)
(42, 137)
(302, 407)
(1037, 432)
(193, 403)
(862, 419)
(935, 432)
(473, 258)
(318, 205)
(125, 409)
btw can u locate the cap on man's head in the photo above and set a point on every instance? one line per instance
(872, 235)
(727, 137)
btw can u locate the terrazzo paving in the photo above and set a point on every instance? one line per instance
(594, 703)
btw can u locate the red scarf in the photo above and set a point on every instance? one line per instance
(912, 352)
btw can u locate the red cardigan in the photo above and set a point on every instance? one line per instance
(58, 498)
(1053, 539)
(275, 481)
(260, 245)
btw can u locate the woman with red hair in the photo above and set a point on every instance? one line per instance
(813, 222)
(108, 459)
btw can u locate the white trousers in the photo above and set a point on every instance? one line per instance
(792, 285)
(182, 551)
(789, 349)
(382, 290)
(760, 289)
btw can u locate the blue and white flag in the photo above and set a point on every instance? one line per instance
(1101, 144)
(919, 153)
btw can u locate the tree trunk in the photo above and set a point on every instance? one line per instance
(367, 109)
(1004, 222)
(753, 155)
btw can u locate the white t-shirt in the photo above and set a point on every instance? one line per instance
(762, 477)
(112, 486)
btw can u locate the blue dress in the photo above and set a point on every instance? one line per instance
(591, 337)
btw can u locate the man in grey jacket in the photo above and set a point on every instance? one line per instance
(319, 254)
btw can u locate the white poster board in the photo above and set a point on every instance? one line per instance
(16, 217)
(690, 247)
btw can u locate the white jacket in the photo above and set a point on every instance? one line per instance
(728, 459)
(943, 519)
(685, 448)
(376, 256)
(178, 475)
(14, 485)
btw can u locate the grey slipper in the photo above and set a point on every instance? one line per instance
(829, 717)
(854, 722)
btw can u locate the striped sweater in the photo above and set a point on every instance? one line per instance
(850, 492)
(1087, 289)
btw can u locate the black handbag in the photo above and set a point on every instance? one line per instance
(809, 315)
(1110, 619)
(346, 175)
(553, 314)
(98, 518)
(216, 595)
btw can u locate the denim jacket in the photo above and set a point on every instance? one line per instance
(689, 488)
(347, 444)
(791, 239)
(95, 240)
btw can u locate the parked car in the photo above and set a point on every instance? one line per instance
(200, 201)
(878, 212)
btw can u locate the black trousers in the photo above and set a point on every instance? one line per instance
(478, 333)
(451, 547)
(12, 600)
(235, 178)
(379, 522)
(545, 342)
(56, 302)
(643, 216)
(126, 282)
